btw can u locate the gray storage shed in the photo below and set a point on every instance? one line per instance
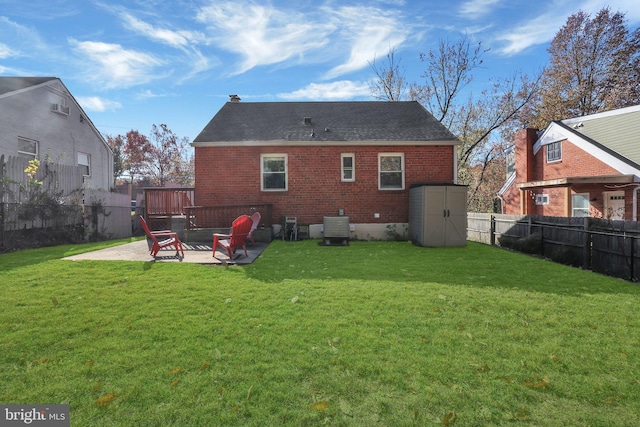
(438, 214)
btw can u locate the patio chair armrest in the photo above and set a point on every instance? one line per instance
(162, 232)
(222, 235)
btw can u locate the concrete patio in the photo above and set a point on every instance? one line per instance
(196, 253)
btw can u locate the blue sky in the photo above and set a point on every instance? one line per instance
(132, 64)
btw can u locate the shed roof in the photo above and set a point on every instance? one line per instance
(338, 122)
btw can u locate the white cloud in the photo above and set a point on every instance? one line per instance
(94, 103)
(6, 51)
(370, 32)
(537, 31)
(344, 89)
(541, 29)
(265, 35)
(183, 40)
(24, 41)
(179, 39)
(476, 8)
(262, 35)
(147, 94)
(113, 66)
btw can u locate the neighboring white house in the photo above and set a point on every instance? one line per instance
(39, 118)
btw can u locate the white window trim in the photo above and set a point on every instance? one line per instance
(286, 171)
(402, 168)
(353, 167)
(586, 196)
(88, 157)
(559, 149)
(27, 153)
(542, 199)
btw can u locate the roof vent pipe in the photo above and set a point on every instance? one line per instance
(234, 98)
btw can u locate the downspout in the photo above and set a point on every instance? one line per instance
(635, 203)
(455, 165)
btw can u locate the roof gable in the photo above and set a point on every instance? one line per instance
(612, 136)
(281, 122)
(12, 84)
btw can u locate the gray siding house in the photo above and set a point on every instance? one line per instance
(39, 118)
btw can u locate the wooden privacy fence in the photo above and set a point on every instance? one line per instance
(52, 206)
(607, 247)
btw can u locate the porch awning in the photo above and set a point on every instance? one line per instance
(566, 182)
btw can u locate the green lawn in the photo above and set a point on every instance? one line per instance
(376, 333)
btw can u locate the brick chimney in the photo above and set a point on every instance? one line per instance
(234, 98)
(524, 140)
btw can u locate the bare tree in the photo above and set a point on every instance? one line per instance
(593, 67)
(481, 123)
(390, 83)
(449, 70)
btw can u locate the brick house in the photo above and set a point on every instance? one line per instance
(586, 166)
(316, 159)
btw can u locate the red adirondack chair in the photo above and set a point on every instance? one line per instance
(162, 239)
(256, 221)
(231, 242)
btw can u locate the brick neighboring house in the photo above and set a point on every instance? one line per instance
(585, 166)
(311, 159)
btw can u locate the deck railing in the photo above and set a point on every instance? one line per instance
(163, 203)
(223, 216)
(167, 201)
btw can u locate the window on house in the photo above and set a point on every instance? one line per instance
(554, 151)
(27, 148)
(542, 199)
(273, 172)
(84, 161)
(580, 204)
(511, 161)
(391, 171)
(348, 166)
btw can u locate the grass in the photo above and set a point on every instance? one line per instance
(376, 333)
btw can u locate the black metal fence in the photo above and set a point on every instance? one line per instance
(607, 247)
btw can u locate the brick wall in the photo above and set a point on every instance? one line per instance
(575, 163)
(231, 175)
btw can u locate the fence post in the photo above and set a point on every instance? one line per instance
(492, 231)
(586, 244)
(632, 250)
(2, 172)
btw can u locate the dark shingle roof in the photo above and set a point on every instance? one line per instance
(329, 121)
(10, 84)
